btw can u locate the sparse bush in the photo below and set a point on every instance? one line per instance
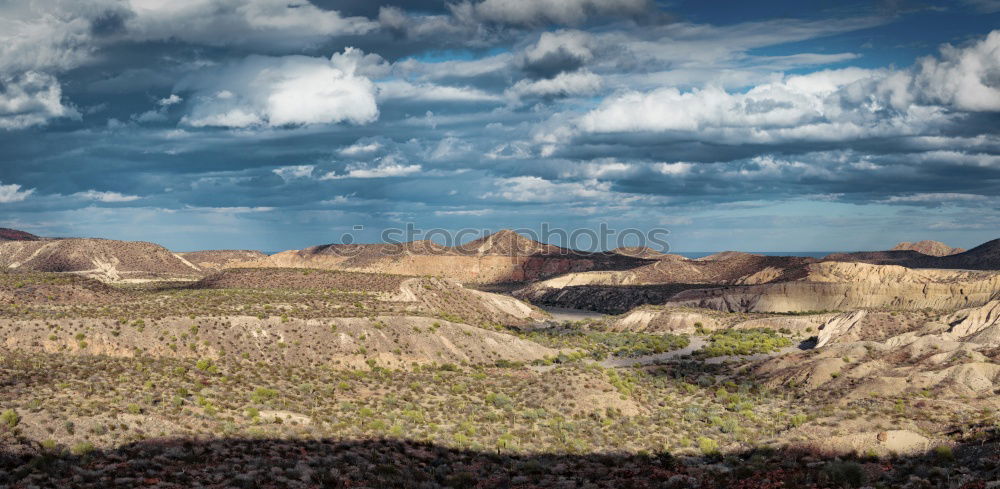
(10, 418)
(845, 473)
(499, 400)
(944, 453)
(708, 446)
(261, 395)
(82, 448)
(798, 419)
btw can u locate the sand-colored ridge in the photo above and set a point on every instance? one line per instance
(392, 341)
(928, 247)
(103, 259)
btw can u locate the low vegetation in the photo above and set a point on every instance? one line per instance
(743, 342)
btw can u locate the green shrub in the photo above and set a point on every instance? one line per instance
(206, 365)
(944, 453)
(743, 342)
(10, 418)
(82, 448)
(798, 420)
(708, 446)
(263, 394)
(499, 400)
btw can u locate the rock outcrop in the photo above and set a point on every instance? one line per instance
(670, 320)
(947, 356)
(928, 247)
(838, 326)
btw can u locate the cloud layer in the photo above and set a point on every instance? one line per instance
(289, 122)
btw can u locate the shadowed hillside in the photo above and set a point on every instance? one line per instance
(7, 234)
(983, 257)
(389, 463)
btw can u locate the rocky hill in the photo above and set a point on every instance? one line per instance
(983, 257)
(103, 259)
(928, 247)
(617, 291)
(955, 355)
(20, 289)
(509, 243)
(7, 234)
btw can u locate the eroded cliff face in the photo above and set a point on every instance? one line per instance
(947, 355)
(611, 299)
(831, 286)
(824, 286)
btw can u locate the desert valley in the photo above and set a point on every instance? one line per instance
(499, 244)
(503, 362)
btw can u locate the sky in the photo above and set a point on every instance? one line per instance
(280, 124)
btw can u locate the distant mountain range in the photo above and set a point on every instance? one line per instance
(501, 257)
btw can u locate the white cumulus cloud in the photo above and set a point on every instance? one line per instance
(13, 193)
(825, 105)
(563, 85)
(282, 91)
(967, 78)
(31, 99)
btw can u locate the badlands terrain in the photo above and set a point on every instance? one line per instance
(124, 364)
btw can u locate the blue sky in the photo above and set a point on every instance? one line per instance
(277, 124)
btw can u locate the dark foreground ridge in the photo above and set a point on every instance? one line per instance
(386, 463)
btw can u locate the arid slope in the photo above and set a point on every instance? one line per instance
(219, 259)
(103, 259)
